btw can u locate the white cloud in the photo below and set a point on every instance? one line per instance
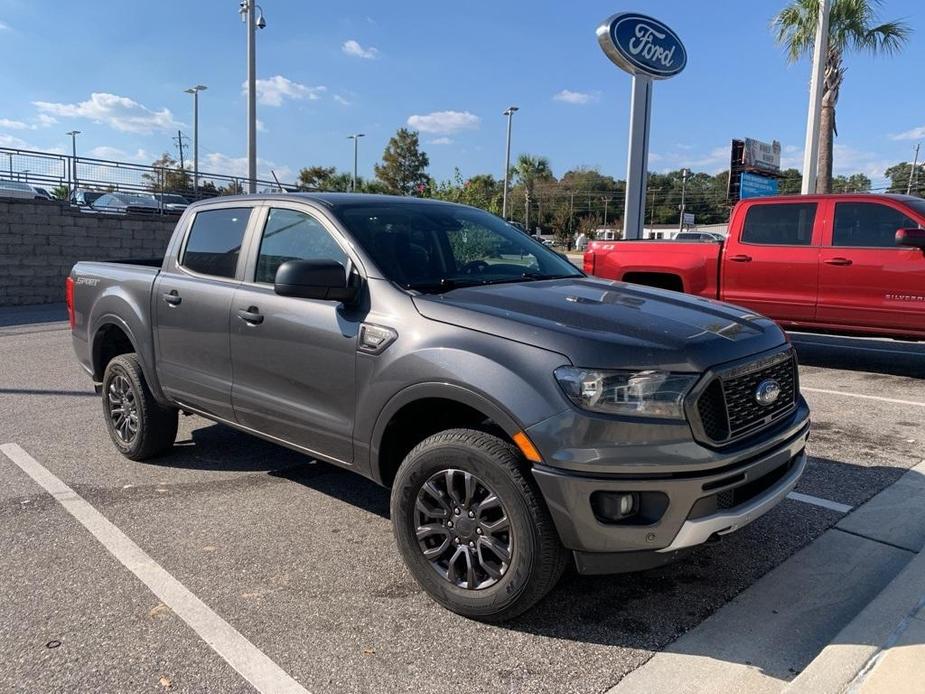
(913, 134)
(445, 122)
(44, 120)
(440, 141)
(119, 112)
(14, 124)
(273, 91)
(261, 128)
(353, 48)
(4, 26)
(217, 163)
(570, 97)
(341, 100)
(116, 154)
(13, 142)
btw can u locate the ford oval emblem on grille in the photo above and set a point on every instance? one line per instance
(767, 392)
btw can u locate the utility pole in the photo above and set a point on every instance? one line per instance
(913, 174)
(253, 23)
(195, 92)
(606, 201)
(507, 158)
(571, 210)
(356, 138)
(73, 134)
(684, 174)
(180, 146)
(811, 146)
(527, 210)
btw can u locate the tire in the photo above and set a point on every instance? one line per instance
(493, 591)
(152, 429)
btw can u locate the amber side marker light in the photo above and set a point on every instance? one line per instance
(527, 448)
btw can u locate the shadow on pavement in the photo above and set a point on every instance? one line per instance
(29, 315)
(892, 357)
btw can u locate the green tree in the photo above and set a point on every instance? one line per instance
(899, 178)
(855, 183)
(852, 27)
(529, 171)
(404, 166)
(167, 176)
(61, 191)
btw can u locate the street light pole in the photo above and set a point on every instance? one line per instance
(811, 147)
(912, 172)
(684, 174)
(195, 92)
(356, 138)
(248, 8)
(73, 134)
(507, 158)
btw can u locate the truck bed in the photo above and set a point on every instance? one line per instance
(695, 265)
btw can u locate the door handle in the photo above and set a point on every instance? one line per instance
(740, 258)
(173, 297)
(251, 315)
(838, 261)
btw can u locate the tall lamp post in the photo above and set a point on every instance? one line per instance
(816, 85)
(356, 138)
(73, 134)
(247, 12)
(507, 158)
(685, 174)
(195, 92)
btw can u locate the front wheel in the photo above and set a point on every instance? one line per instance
(139, 426)
(472, 526)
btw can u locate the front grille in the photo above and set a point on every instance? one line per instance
(728, 409)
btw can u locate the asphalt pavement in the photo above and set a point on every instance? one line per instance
(297, 557)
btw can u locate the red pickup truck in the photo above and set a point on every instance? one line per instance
(841, 263)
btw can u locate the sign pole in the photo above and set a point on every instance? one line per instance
(637, 158)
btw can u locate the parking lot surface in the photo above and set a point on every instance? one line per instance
(298, 556)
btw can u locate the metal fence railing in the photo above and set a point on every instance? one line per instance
(53, 171)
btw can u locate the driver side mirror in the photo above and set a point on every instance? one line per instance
(915, 238)
(314, 279)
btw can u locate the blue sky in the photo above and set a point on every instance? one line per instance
(117, 71)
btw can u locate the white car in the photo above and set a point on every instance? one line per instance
(18, 189)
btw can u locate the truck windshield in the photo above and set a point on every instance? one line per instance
(433, 247)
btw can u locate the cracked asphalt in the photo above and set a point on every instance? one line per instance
(298, 556)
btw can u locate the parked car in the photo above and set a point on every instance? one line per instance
(524, 415)
(823, 262)
(42, 192)
(698, 236)
(127, 203)
(85, 198)
(17, 189)
(170, 201)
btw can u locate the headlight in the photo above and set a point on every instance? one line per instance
(640, 393)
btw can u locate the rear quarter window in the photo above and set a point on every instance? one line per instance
(785, 224)
(214, 241)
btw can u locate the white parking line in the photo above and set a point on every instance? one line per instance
(250, 662)
(817, 501)
(913, 403)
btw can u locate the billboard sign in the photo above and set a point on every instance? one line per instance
(755, 186)
(761, 155)
(642, 45)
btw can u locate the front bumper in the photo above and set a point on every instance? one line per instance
(703, 501)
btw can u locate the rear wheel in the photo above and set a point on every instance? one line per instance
(138, 425)
(472, 526)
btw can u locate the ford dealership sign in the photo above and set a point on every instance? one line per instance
(642, 45)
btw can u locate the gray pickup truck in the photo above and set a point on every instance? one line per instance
(523, 414)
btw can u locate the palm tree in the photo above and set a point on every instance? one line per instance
(530, 170)
(851, 28)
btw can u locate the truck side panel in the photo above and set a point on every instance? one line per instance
(685, 266)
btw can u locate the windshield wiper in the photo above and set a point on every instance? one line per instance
(530, 277)
(444, 284)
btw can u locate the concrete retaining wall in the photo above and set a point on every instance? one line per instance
(41, 240)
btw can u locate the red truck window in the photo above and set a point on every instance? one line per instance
(787, 224)
(867, 225)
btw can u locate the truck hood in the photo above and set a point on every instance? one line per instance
(605, 324)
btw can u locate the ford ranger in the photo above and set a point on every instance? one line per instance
(851, 263)
(523, 414)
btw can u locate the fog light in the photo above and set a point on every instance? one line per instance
(615, 506)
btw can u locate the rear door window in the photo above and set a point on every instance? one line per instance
(787, 224)
(214, 242)
(868, 225)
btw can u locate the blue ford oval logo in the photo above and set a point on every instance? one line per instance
(767, 392)
(642, 45)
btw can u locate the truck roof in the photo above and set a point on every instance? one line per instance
(331, 200)
(898, 197)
